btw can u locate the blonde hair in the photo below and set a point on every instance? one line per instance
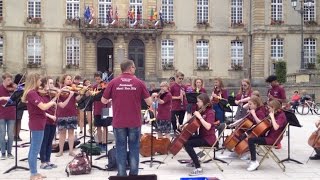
(220, 82)
(256, 100)
(275, 104)
(165, 83)
(247, 81)
(30, 84)
(256, 93)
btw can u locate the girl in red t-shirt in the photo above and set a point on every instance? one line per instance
(37, 120)
(278, 122)
(206, 135)
(164, 99)
(67, 116)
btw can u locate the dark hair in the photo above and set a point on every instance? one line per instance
(271, 78)
(17, 78)
(126, 64)
(172, 78)
(97, 74)
(77, 77)
(204, 98)
(296, 91)
(44, 81)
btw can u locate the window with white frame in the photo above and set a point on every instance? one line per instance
(104, 10)
(1, 8)
(136, 6)
(73, 51)
(309, 51)
(277, 49)
(202, 11)
(73, 9)
(236, 53)
(276, 10)
(309, 12)
(1, 50)
(167, 10)
(236, 11)
(202, 53)
(34, 8)
(167, 52)
(34, 49)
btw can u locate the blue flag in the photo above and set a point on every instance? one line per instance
(87, 14)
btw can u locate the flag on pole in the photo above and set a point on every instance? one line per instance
(116, 16)
(151, 14)
(155, 14)
(92, 15)
(87, 14)
(109, 15)
(138, 14)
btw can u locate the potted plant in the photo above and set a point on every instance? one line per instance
(203, 67)
(72, 66)
(311, 65)
(237, 24)
(236, 67)
(310, 23)
(276, 22)
(72, 21)
(167, 66)
(34, 20)
(33, 65)
(202, 23)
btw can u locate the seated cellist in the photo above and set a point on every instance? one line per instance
(206, 135)
(278, 122)
(317, 155)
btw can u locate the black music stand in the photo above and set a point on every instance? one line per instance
(151, 161)
(15, 98)
(109, 121)
(293, 121)
(85, 101)
(89, 103)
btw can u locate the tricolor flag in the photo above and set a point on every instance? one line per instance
(151, 14)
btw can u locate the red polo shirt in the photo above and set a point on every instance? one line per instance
(8, 113)
(177, 105)
(164, 109)
(37, 117)
(273, 134)
(208, 135)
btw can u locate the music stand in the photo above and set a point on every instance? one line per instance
(89, 103)
(192, 97)
(293, 121)
(84, 100)
(151, 161)
(108, 118)
(15, 98)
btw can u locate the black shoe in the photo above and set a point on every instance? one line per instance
(315, 157)
(19, 139)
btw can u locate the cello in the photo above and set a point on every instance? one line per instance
(160, 145)
(314, 139)
(191, 126)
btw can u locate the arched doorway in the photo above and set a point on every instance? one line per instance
(104, 55)
(136, 53)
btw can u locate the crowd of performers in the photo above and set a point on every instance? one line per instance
(62, 104)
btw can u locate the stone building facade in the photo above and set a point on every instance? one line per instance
(232, 39)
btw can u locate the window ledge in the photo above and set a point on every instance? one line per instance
(236, 70)
(203, 69)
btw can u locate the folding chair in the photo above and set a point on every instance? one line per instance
(268, 151)
(206, 150)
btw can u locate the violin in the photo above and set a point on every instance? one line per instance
(11, 87)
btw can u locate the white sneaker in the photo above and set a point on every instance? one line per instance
(253, 165)
(196, 172)
(246, 157)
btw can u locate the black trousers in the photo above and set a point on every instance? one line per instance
(195, 141)
(180, 115)
(252, 147)
(317, 151)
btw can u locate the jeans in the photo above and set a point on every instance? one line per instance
(35, 145)
(252, 146)
(195, 141)
(46, 147)
(130, 136)
(6, 126)
(219, 113)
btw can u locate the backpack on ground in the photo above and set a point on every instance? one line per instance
(90, 149)
(112, 160)
(79, 165)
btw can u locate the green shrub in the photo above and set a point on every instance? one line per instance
(281, 71)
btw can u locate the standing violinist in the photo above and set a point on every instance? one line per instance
(242, 98)
(50, 128)
(278, 123)
(85, 107)
(7, 117)
(67, 116)
(206, 135)
(37, 120)
(18, 80)
(164, 99)
(218, 92)
(99, 121)
(317, 155)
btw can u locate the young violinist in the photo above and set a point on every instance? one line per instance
(164, 99)
(99, 122)
(19, 80)
(37, 120)
(317, 155)
(278, 122)
(242, 98)
(50, 127)
(7, 117)
(206, 135)
(85, 105)
(67, 116)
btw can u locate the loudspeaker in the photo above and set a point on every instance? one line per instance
(138, 177)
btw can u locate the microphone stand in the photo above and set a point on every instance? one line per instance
(151, 161)
(17, 100)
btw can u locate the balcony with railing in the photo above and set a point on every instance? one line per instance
(122, 25)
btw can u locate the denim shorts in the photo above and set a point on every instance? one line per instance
(164, 126)
(67, 122)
